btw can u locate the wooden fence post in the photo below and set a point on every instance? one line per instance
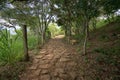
(25, 44)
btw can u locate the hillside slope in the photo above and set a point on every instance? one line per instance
(102, 61)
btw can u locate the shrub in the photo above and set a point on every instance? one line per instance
(32, 42)
(109, 56)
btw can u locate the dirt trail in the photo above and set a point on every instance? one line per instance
(55, 61)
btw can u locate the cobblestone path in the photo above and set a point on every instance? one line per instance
(55, 61)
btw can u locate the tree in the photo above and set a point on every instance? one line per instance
(87, 10)
(110, 7)
(64, 10)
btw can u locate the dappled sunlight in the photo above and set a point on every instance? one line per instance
(59, 37)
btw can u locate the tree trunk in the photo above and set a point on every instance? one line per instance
(42, 39)
(88, 32)
(66, 31)
(94, 24)
(84, 27)
(38, 35)
(69, 34)
(108, 18)
(26, 56)
(86, 36)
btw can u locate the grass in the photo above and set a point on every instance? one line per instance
(12, 53)
(32, 42)
(105, 46)
(102, 61)
(101, 23)
(11, 47)
(10, 50)
(109, 54)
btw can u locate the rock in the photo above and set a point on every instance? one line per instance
(73, 75)
(59, 70)
(34, 66)
(64, 76)
(58, 79)
(44, 71)
(33, 74)
(48, 57)
(43, 51)
(34, 79)
(39, 56)
(72, 63)
(56, 74)
(57, 56)
(35, 61)
(61, 65)
(64, 59)
(44, 66)
(45, 77)
(36, 72)
(44, 62)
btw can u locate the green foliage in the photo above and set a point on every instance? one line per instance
(61, 32)
(11, 46)
(32, 41)
(110, 6)
(78, 36)
(10, 50)
(55, 30)
(86, 60)
(108, 56)
(48, 34)
(101, 23)
(104, 37)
